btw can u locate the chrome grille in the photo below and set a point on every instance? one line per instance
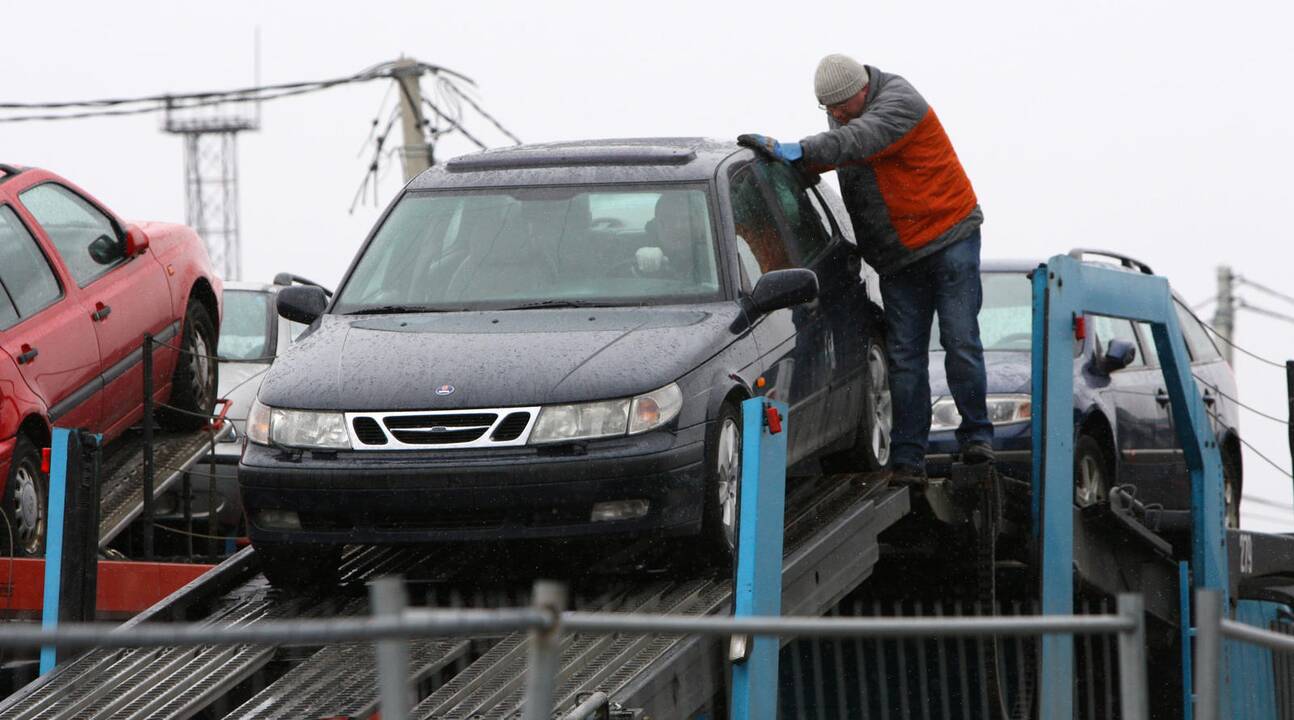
(441, 429)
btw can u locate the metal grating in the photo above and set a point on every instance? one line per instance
(368, 431)
(511, 427)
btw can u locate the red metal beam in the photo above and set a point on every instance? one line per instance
(124, 586)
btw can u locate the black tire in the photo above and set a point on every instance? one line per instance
(871, 449)
(1232, 488)
(1092, 475)
(25, 502)
(722, 485)
(292, 567)
(193, 384)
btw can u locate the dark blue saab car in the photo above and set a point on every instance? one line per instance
(1125, 432)
(554, 340)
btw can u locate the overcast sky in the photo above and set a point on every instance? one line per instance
(1159, 129)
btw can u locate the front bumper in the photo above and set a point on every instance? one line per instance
(430, 496)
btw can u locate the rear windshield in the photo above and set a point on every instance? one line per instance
(1006, 317)
(246, 330)
(507, 248)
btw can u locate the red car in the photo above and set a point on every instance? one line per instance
(79, 288)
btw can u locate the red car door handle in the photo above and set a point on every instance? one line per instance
(101, 311)
(29, 353)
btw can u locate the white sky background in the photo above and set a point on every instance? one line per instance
(1160, 129)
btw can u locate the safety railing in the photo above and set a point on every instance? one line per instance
(393, 624)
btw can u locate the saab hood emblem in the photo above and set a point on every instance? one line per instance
(445, 390)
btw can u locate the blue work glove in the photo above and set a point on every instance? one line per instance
(786, 152)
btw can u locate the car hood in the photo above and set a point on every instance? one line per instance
(495, 359)
(1009, 371)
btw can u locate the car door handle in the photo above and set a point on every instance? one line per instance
(1161, 397)
(29, 353)
(101, 311)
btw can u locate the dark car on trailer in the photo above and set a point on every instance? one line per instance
(1124, 432)
(553, 341)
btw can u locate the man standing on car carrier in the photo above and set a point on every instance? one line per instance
(917, 221)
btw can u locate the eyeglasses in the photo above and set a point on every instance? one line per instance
(841, 105)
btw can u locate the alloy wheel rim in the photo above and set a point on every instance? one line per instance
(728, 471)
(200, 364)
(882, 406)
(27, 510)
(1089, 481)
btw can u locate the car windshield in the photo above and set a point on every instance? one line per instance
(1006, 317)
(247, 327)
(537, 247)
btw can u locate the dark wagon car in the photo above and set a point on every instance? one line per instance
(1123, 422)
(554, 340)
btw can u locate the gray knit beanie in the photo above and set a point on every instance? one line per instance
(839, 77)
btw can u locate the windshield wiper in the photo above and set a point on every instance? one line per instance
(556, 304)
(396, 309)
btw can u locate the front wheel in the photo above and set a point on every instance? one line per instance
(25, 500)
(1092, 477)
(292, 567)
(193, 384)
(871, 448)
(723, 484)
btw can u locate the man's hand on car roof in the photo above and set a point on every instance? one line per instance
(786, 152)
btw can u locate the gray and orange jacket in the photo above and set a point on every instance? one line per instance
(900, 178)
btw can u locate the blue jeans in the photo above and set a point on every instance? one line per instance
(946, 284)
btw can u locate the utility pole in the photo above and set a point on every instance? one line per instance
(416, 151)
(1224, 313)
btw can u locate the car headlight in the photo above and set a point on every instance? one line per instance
(586, 421)
(258, 423)
(297, 428)
(654, 409)
(1002, 410)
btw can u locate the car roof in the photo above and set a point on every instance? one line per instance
(616, 160)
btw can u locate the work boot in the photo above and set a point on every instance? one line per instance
(978, 452)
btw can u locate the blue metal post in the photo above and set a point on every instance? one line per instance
(1184, 612)
(762, 499)
(54, 511)
(1071, 289)
(1056, 514)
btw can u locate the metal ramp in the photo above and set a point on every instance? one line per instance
(831, 547)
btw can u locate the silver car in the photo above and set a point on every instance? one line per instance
(252, 334)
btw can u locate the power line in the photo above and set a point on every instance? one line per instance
(1255, 411)
(1240, 302)
(484, 114)
(1225, 339)
(1255, 450)
(1265, 289)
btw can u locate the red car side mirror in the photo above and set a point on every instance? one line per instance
(136, 240)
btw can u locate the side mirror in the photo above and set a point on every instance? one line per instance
(136, 240)
(783, 289)
(1118, 356)
(301, 303)
(105, 250)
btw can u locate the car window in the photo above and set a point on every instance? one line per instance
(808, 239)
(760, 248)
(8, 313)
(1110, 328)
(489, 249)
(83, 236)
(295, 329)
(28, 280)
(1197, 338)
(247, 328)
(1006, 314)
